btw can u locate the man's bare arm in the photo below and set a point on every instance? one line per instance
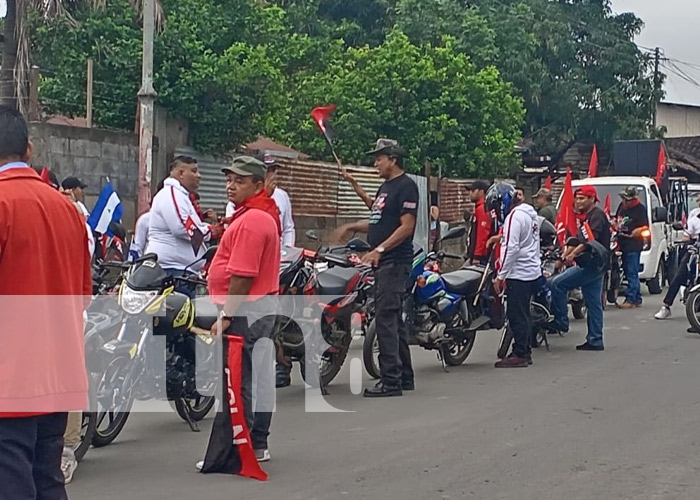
(341, 232)
(238, 289)
(358, 189)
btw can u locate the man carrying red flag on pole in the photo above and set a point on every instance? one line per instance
(566, 218)
(589, 250)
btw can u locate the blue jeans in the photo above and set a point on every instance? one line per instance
(630, 264)
(591, 284)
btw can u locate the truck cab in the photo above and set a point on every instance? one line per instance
(656, 247)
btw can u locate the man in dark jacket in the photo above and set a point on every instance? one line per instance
(631, 220)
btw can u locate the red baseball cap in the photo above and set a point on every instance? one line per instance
(587, 191)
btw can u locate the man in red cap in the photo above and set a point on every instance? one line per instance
(588, 255)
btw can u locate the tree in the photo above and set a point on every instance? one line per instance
(16, 56)
(431, 99)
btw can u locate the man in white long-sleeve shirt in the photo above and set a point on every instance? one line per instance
(520, 268)
(281, 198)
(173, 220)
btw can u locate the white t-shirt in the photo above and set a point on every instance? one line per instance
(83, 208)
(693, 229)
(140, 240)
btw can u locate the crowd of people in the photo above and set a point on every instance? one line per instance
(34, 417)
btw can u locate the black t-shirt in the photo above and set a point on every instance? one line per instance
(395, 197)
(630, 219)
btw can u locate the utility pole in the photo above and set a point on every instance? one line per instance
(147, 97)
(90, 80)
(33, 114)
(657, 83)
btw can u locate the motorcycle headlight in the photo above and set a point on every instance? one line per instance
(134, 302)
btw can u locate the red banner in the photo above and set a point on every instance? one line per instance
(548, 183)
(593, 166)
(241, 435)
(566, 218)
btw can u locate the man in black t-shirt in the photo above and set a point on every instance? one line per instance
(590, 251)
(390, 233)
(631, 220)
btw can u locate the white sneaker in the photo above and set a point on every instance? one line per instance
(68, 465)
(199, 465)
(664, 312)
(262, 455)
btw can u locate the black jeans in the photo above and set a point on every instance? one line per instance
(392, 335)
(30, 457)
(679, 280)
(520, 294)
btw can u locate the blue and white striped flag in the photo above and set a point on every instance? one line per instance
(107, 209)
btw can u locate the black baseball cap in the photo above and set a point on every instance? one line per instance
(72, 183)
(481, 185)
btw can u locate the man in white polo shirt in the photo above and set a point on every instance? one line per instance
(175, 231)
(281, 199)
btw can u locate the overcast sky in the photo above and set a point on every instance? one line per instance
(671, 25)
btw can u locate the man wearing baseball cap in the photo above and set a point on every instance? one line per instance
(481, 225)
(589, 250)
(245, 269)
(543, 204)
(76, 187)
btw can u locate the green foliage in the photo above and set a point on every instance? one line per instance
(457, 82)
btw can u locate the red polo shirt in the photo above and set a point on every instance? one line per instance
(45, 283)
(483, 228)
(250, 248)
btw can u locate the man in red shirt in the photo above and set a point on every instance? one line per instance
(245, 269)
(481, 225)
(45, 283)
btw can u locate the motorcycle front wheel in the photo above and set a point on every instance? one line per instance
(197, 408)
(692, 309)
(114, 420)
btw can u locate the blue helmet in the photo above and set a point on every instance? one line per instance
(499, 200)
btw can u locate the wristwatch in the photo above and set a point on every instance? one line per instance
(381, 249)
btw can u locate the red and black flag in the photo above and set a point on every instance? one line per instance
(230, 449)
(321, 116)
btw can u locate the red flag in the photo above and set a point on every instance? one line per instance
(566, 218)
(548, 183)
(593, 166)
(661, 166)
(607, 205)
(321, 116)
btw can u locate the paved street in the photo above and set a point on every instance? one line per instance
(618, 424)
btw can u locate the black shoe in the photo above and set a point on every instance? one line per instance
(529, 358)
(408, 385)
(383, 391)
(692, 330)
(283, 382)
(589, 347)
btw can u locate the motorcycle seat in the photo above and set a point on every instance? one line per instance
(463, 282)
(335, 280)
(207, 314)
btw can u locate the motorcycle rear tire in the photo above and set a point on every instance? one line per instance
(463, 349)
(105, 437)
(369, 359)
(332, 370)
(692, 309)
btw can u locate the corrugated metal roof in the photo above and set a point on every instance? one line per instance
(349, 204)
(312, 186)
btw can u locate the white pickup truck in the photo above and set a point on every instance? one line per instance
(656, 248)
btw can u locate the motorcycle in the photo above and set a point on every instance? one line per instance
(309, 277)
(154, 310)
(442, 312)
(691, 294)
(612, 281)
